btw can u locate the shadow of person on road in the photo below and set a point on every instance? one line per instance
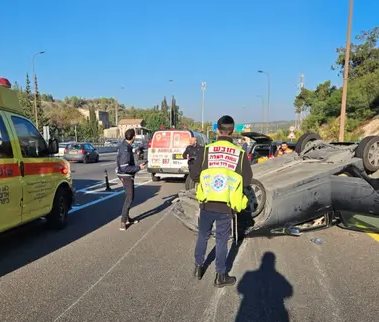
(263, 292)
(167, 203)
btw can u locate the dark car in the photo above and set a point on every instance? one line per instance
(317, 185)
(81, 152)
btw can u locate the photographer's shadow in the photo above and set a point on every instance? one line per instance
(263, 292)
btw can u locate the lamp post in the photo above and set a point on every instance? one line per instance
(203, 88)
(35, 86)
(263, 111)
(268, 93)
(341, 136)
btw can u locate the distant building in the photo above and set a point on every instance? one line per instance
(137, 124)
(101, 116)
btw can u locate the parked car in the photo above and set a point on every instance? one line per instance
(81, 152)
(318, 185)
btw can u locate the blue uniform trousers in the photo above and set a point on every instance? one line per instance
(223, 228)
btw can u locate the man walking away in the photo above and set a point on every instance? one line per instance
(223, 171)
(126, 169)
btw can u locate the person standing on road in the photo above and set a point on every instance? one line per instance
(126, 170)
(192, 152)
(223, 172)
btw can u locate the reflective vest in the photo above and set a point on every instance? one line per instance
(221, 179)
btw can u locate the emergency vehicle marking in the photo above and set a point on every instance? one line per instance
(44, 168)
(9, 170)
(4, 195)
(223, 157)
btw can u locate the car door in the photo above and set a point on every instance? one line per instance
(360, 221)
(10, 179)
(90, 150)
(36, 169)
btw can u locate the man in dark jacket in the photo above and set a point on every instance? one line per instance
(215, 157)
(191, 153)
(126, 169)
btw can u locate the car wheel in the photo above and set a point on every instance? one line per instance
(58, 216)
(85, 159)
(304, 140)
(189, 184)
(154, 177)
(257, 198)
(368, 151)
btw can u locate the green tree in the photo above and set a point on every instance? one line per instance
(38, 104)
(26, 99)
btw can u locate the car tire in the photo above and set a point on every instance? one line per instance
(154, 178)
(258, 199)
(368, 151)
(97, 159)
(58, 216)
(189, 184)
(304, 140)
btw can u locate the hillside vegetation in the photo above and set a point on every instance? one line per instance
(323, 103)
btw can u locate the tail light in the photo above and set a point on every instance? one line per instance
(83, 151)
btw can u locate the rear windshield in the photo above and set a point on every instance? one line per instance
(170, 139)
(75, 146)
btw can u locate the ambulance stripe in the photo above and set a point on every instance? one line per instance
(9, 170)
(43, 168)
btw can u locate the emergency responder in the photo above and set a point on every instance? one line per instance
(126, 169)
(223, 171)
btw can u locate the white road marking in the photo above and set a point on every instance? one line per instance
(112, 267)
(95, 185)
(109, 163)
(111, 195)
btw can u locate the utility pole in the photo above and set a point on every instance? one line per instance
(263, 112)
(203, 88)
(346, 74)
(35, 86)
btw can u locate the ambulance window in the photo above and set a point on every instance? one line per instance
(5, 144)
(31, 141)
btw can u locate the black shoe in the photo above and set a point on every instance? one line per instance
(199, 271)
(222, 280)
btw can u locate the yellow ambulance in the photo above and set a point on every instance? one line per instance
(33, 183)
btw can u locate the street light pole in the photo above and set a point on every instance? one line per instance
(35, 86)
(268, 93)
(346, 74)
(203, 88)
(263, 111)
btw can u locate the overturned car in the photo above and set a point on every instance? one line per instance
(318, 185)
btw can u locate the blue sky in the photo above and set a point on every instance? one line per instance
(94, 48)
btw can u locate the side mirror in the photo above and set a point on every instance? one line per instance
(53, 146)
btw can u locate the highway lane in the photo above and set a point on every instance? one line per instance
(92, 271)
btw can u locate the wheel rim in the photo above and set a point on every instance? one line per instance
(373, 154)
(258, 193)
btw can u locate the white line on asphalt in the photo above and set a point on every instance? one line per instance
(111, 195)
(112, 268)
(96, 185)
(109, 163)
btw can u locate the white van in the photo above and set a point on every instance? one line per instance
(165, 153)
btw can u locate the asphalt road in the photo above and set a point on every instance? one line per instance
(91, 271)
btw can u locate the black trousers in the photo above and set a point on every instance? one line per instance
(128, 183)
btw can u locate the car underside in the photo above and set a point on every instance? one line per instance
(320, 185)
